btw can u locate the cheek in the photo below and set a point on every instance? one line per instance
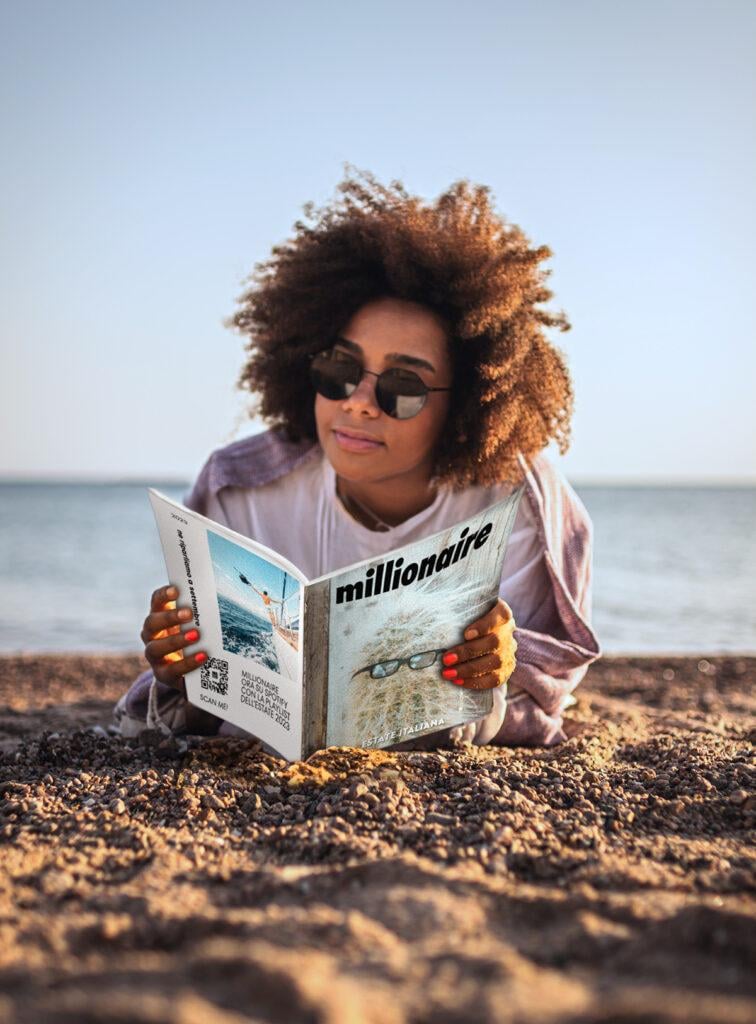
(427, 429)
(323, 416)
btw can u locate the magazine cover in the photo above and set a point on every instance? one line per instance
(391, 620)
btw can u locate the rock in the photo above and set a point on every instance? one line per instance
(740, 796)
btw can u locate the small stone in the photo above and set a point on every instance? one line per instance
(439, 819)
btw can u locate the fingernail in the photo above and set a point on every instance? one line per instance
(200, 657)
(172, 591)
(450, 658)
(191, 635)
(458, 682)
(471, 634)
(449, 673)
(185, 614)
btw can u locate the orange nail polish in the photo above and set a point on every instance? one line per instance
(191, 635)
(450, 658)
(200, 657)
(449, 673)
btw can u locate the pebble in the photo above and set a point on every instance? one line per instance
(440, 819)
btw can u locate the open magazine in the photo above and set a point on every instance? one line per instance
(352, 658)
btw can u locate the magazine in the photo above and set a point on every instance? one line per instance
(352, 658)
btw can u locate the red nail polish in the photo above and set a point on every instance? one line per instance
(191, 635)
(449, 673)
(200, 657)
(450, 658)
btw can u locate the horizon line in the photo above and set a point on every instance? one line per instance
(577, 481)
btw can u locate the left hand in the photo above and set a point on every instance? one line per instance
(487, 658)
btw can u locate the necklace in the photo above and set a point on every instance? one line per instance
(377, 523)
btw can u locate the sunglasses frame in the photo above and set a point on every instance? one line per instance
(435, 651)
(348, 357)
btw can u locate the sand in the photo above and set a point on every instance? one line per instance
(205, 882)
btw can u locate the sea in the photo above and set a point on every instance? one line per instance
(246, 634)
(674, 568)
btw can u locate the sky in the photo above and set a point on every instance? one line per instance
(231, 562)
(154, 153)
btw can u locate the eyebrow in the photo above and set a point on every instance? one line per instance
(393, 357)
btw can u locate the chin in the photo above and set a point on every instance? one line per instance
(352, 466)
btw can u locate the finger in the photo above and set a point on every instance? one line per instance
(472, 649)
(489, 681)
(498, 615)
(158, 649)
(171, 672)
(159, 624)
(475, 667)
(498, 639)
(163, 596)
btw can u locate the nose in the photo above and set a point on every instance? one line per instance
(362, 400)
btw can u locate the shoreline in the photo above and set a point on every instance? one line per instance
(611, 877)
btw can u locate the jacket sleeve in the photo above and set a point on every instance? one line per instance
(555, 642)
(555, 650)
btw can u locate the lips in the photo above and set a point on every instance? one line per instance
(355, 440)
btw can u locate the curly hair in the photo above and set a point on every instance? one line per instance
(456, 257)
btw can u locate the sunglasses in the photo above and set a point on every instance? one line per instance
(399, 393)
(387, 668)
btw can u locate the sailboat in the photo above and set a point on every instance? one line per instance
(286, 639)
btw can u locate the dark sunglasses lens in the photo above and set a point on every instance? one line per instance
(334, 378)
(400, 394)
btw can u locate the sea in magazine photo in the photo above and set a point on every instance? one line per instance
(563, 876)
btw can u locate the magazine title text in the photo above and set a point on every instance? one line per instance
(390, 575)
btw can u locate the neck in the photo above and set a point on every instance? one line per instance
(390, 501)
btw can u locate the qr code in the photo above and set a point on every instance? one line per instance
(214, 676)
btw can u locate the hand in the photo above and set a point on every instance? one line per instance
(164, 641)
(488, 658)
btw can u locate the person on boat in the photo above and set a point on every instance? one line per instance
(268, 601)
(398, 353)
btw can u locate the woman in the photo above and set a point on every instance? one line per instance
(397, 352)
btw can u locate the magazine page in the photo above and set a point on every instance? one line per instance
(392, 618)
(248, 604)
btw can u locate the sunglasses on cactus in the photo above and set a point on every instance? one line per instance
(381, 669)
(399, 393)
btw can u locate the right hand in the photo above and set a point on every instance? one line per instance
(164, 640)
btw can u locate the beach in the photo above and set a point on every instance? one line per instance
(203, 881)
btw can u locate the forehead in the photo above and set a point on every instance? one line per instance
(393, 325)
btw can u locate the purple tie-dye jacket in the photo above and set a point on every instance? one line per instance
(553, 653)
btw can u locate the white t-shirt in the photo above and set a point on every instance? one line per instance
(300, 516)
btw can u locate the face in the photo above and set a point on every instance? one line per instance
(363, 443)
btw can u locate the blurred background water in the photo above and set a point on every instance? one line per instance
(674, 567)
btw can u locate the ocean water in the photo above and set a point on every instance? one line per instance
(674, 567)
(246, 634)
